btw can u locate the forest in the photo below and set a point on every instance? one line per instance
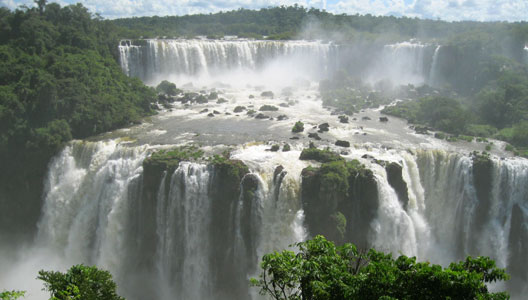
(59, 79)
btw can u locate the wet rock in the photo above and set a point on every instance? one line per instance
(366, 118)
(261, 116)
(239, 109)
(284, 105)
(210, 115)
(314, 135)
(324, 127)
(216, 112)
(221, 100)
(251, 96)
(342, 143)
(227, 114)
(294, 138)
(275, 148)
(268, 108)
(267, 94)
(343, 119)
(286, 148)
(384, 119)
(395, 179)
(204, 110)
(282, 117)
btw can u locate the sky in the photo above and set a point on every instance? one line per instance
(449, 10)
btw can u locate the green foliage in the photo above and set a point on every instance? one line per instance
(321, 270)
(319, 155)
(11, 295)
(298, 127)
(59, 79)
(268, 108)
(170, 159)
(167, 88)
(275, 148)
(80, 282)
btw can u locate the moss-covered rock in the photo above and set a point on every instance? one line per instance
(268, 108)
(298, 127)
(319, 155)
(340, 200)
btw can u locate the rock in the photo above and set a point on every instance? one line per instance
(210, 115)
(227, 114)
(286, 148)
(282, 117)
(204, 110)
(267, 94)
(216, 112)
(298, 127)
(261, 116)
(366, 118)
(324, 127)
(344, 152)
(314, 135)
(343, 119)
(201, 99)
(221, 100)
(268, 108)
(294, 138)
(354, 119)
(251, 96)
(213, 95)
(239, 109)
(364, 133)
(251, 112)
(384, 119)
(341, 143)
(395, 179)
(284, 105)
(275, 148)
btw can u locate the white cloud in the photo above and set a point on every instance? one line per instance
(450, 10)
(480, 10)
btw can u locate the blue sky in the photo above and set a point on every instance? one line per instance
(450, 10)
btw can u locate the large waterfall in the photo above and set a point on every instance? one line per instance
(156, 59)
(182, 236)
(196, 231)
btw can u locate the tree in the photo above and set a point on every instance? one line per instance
(322, 270)
(80, 282)
(41, 5)
(11, 295)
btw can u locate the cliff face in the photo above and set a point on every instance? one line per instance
(339, 199)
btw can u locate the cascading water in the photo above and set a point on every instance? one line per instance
(187, 234)
(401, 63)
(433, 73)
(165, 58)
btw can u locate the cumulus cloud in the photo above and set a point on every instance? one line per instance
(450, 10)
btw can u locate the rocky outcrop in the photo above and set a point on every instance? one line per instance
(395, 179)
(340, 199)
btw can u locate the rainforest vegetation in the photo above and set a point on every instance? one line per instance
(59, 79)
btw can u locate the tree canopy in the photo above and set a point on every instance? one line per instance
(321, 270)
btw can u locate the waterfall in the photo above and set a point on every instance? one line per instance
(161, 239)
(166, 58)
(400, 63)
(434, 67)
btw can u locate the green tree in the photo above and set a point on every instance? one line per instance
(321, 270)
(11, 295)
(80, 282)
